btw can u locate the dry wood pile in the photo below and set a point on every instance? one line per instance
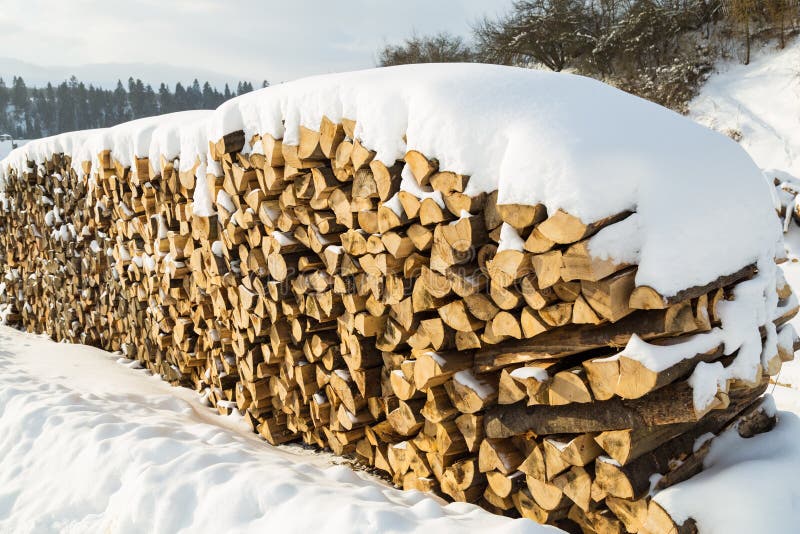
(395, 332)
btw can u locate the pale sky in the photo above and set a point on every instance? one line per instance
(276, 40)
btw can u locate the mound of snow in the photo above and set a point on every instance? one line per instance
(7, 146)
(566, 141)
(747, 485)
(89, 445)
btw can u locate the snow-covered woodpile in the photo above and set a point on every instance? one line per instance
(333, 259)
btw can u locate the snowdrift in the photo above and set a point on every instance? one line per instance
(431, 268)
(138, 456)
(106, 448)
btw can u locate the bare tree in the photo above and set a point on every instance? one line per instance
(439, 48)
(550, 32)
(742, 12)
(779, 12)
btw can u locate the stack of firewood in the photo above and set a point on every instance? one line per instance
(458, 345)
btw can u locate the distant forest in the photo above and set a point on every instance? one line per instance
(29, 112)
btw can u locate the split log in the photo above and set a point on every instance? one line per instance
(564, 228)
(574, 339)
(647, 298)
(668, 405)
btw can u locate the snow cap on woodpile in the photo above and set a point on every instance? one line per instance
(702, 207)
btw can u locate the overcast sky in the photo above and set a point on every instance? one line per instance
(276, 40)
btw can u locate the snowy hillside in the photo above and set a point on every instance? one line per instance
(759, 102)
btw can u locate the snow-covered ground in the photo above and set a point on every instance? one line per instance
(747, 485)
(92, 445)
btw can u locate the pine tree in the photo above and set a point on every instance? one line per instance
(243, 88)
(194, 96)
(209, 98)
(149, 102)
(66, 108)
(83, 113)
(49, 114)
(119, 105)
(181, 100)
(5, 98)
(165, 100)
(19, 95)
(4, 95)
(96, 107)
